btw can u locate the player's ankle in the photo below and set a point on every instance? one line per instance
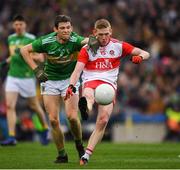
(45, 127)
(12, 137)
(62, 152)
(78, 142)
(87, 153)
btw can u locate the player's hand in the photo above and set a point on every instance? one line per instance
(137, 59)
(40, 74)
(93, 44)
(69, 92)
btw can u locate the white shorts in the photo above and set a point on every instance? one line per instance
(58, 87)
(26, 87)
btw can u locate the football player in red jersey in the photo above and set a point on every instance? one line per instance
(99, 68)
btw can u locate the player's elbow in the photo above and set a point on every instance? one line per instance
(25, 51)
(146, 55)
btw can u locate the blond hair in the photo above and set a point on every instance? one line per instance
(102, 23)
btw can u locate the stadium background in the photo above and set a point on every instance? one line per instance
(146, 91)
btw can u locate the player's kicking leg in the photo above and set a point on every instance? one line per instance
(86, 103)
(83, 108)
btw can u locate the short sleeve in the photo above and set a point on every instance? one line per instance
(78, 41)
(83, 56)
(126, 49)
(37, 45)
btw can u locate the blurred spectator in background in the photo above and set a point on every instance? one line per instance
(3, 122)
(173, 119)
(25, 127)
(20, 81)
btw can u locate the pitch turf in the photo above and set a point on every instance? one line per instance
(106, 156)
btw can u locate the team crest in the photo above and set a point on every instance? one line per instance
(111, 52)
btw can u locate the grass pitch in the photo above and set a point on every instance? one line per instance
(106, 156)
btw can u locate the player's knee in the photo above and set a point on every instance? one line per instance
(54, 122)
(33, 106)
(102, 122)
(10, 106)
(72, 120)
(72, 114)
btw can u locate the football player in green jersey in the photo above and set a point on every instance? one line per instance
(21, 80)
(60, 47)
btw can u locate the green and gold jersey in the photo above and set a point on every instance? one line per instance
(61, 58)
(18, 67)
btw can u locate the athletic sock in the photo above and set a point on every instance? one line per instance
(78, 142)
(62, 152)
(45, 127)
(12, 137)
(11, 134)
(88, 153)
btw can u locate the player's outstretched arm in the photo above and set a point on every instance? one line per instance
(138, 55)
(93, 43)
(85, 41)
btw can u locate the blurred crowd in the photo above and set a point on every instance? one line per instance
(149, 24)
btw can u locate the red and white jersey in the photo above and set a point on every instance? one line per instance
(105, 64)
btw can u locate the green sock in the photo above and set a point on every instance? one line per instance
(78, 142)
(62, 152)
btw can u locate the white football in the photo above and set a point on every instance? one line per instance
(104, 94)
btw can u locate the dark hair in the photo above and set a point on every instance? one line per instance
(102, 23)
(18, 18)
(61, 18)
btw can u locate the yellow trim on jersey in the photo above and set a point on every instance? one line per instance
(13, 47)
